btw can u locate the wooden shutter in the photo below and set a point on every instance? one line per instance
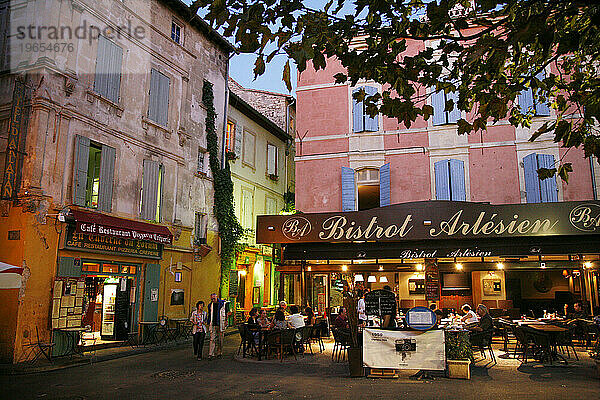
(457, 180)
(82, 154)
(541, 109)
(271, 159)
(108, 69)
(453, 115)
(158, 105)
(548, 189)
(532, 182)
(237, 138)
(442, 180)
(107, 171)
(384, 185)
(151, 283)
(371, 124)
(438, 102)
(348, 190)
(357, 114)
(150, 189)
(249, 147)
(67, 267)
(525, 100)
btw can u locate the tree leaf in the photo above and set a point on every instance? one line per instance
(286, 76)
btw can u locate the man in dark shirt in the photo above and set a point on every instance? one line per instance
(341, 322)
(482, 332)
(579, 312)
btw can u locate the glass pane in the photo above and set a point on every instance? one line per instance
(110, 268)
(91, 267)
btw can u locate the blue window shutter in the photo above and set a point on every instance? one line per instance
(371, 124)
(158, 104)
(80, 169)
(541, 109)
(442, 180)
(548, 190)
(384, 185)
(532, 182)
(525, 100)
(107, 171)
(108, 69)
(438, 102)
(101, 76)
(453, 115)
(150, 189)
(457, 180)
(348, 190)
(357, 114)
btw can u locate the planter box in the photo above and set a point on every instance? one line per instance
(459, 369)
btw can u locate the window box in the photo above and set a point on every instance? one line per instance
(273, 177)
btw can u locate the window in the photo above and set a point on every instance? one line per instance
(158, 104)
(176, 32)
(202, 165)
(107, 80)
(230, 137)
(537, 190)
(271, 206)
(249, 141)
(527, 102)
(450, 180)
(440, 115)
(94, 168)
(152, 187)
(200, 228)
(361, 121)
(372, 186)
(272, 159)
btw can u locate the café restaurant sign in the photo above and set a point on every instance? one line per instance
(433, 220)
(112, 245)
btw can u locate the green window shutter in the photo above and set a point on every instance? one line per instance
(80, 169)
(107, 171)
(150, 189)
(67, 268)
(151, 284)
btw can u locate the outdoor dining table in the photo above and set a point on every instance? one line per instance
(180, 330)
(149, 333)
(66, 341)
(551, 332)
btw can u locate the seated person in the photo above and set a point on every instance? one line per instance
(283, 307)
(263, 321)
(483, 329)
(253, 319)
(310, 314)
(341, 322)
(470, 317)
(295, 320)
(279, 321)
(578, 313)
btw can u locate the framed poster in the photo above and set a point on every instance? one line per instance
(416, 286)
(177, 297)
(492, 287)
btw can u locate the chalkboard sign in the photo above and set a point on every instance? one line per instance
(233, 283)
(380, 302)
(432, 282)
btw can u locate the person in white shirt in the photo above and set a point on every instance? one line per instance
(361, 308)
(295, 320)
(470, 316)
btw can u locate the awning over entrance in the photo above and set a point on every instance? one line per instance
(105, 225)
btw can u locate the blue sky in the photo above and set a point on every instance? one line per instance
(241, 66)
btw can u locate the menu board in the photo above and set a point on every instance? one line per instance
(380, 302)
(233, 283)
(67, 303)
(432, 282)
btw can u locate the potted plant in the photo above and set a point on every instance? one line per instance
(595, 355)
(354, 351)
(273, 177)
(458, 355)
(230, 155)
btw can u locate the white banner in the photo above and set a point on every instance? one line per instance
(404, 349)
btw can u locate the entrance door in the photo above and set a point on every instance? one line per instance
(151, 281)
(122, 313)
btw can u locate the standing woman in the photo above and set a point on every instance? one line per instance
(199, 330)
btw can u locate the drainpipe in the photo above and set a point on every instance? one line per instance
(593, 178)
(226, 103)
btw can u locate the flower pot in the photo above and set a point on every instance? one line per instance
(459, 369)
(355, 362)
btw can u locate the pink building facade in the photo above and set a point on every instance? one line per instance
(346, 160)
